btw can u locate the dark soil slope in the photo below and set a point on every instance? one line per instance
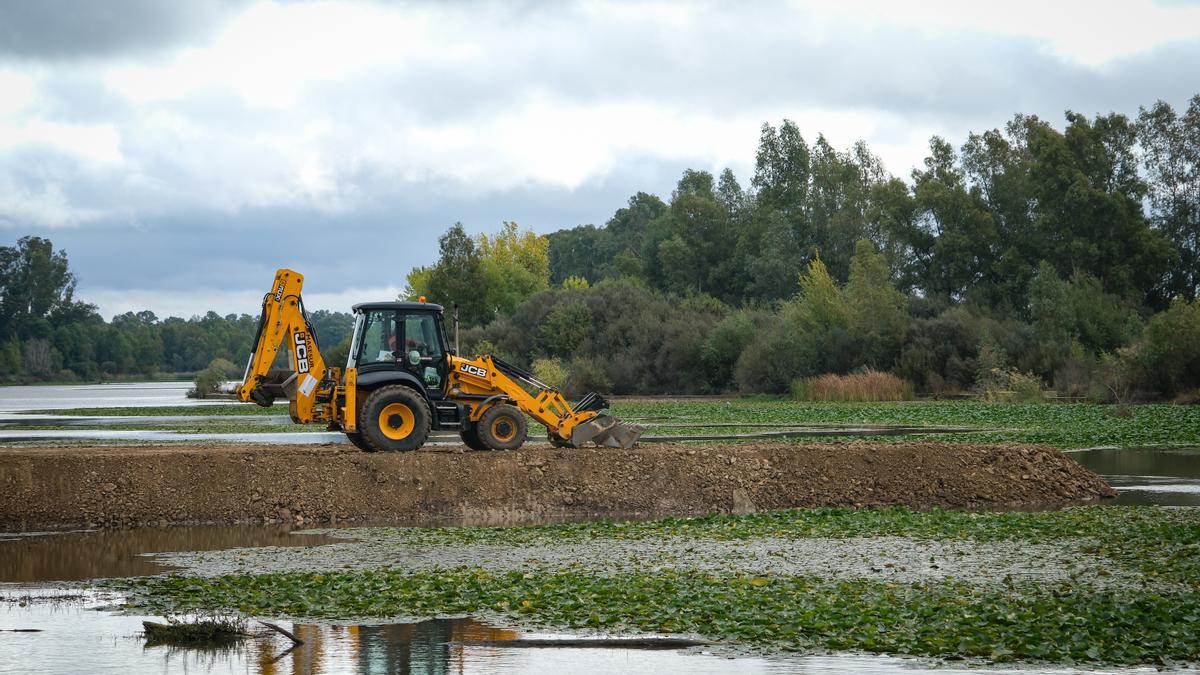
(121, 486)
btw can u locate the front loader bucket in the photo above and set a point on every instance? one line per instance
(608, 432)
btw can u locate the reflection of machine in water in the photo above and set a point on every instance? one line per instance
(402, 648)
(420, 648)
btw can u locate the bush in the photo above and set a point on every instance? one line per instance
(1002, 385)
(1170, 349)
(867, 385)
(724, 344)
(209, 380)
(550, 371)
(584, 375)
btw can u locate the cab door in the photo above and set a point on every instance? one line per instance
(423, 354)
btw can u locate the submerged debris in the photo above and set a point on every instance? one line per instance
(195, 632)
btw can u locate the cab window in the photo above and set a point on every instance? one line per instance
(379, 338)
(420, 334)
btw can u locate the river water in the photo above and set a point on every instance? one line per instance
(82, 634)
(55, 629)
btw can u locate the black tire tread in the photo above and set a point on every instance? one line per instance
(485, 427)
(396, 393)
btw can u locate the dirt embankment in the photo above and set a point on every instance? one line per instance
(120, 486)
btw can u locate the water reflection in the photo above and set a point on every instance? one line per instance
(77, 638)
(99, 554)
(423, 648)
(1148, 476)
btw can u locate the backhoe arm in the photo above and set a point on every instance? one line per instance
(284, 322)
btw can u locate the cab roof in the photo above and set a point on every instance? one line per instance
(398, 306)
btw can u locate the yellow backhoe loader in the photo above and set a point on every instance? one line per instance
(402, 381)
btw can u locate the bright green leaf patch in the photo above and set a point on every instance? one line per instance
(801, 613)
(1062, 425)
(1156, 617)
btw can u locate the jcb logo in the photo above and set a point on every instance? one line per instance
(301, 353)
(279, 291)
(473, 370)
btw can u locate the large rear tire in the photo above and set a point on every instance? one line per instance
(502, 427)
(357, 440)
(395, 419)
(470, 437)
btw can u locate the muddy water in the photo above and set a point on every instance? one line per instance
(103, 554)
(1159, 476)
(80, 635)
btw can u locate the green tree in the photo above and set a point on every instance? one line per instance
(1078, 309)
(35, 283)
(1089, 199)
(1170, 350)
(456, 278)
(782, 168)
(838, 201)
(878, 318)
(514, 265)
(1171, 148)
(691, 239)
(997, 168)
(10, 357)
(958, 229)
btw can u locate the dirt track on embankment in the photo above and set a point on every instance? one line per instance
(123, 486)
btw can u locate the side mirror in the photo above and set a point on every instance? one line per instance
(414, 357)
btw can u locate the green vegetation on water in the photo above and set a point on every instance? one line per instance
(1153, 617)
(1159, 542)
(1062, 425)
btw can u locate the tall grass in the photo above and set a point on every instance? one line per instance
(865, 385)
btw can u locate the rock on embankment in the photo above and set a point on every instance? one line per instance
(116, 486)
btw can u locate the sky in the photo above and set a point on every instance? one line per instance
(180, 152)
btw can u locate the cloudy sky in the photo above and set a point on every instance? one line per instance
(181, 151)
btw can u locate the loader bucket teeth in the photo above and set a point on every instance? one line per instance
(608, 432)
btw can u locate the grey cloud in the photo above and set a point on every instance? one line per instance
(215, 251)
(748, 55)
(74, 29)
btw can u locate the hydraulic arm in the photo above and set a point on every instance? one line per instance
(306, 383)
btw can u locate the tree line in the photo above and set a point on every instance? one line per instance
(1070, 256)
(47, 334)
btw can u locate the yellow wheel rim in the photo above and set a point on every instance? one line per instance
(396, 421)
(504, 429)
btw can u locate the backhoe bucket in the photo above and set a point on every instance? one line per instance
(608, 432)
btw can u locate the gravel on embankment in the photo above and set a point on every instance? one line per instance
(160, 485)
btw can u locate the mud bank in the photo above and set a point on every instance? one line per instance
(161, 485)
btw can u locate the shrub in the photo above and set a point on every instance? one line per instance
(1170, 352)
(209, 380)
(866, 385)
(724, 345)
(586, 374)
(225, 366)
(1002, 385)
(550, 371)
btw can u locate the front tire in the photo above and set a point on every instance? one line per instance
(502, 427)
(395, 419)
(470, 437)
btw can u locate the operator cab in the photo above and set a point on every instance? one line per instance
(400, 336)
